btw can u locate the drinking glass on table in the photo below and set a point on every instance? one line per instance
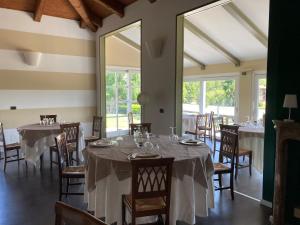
(173, 136)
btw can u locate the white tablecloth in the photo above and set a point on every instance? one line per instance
(190, 195)
(33, 149)
(188, 123)
(252, 138)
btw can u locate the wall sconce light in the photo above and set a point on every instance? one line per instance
(155, 47)
(32, 58)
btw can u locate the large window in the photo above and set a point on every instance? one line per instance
(260, 84)
(122, 89)
(206, 95)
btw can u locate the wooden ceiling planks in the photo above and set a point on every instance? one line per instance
(88, 12)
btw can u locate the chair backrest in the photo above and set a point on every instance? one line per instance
(201, 121)
(62, 152)
(229, 141)
(54, 117)
(68, 215)
(217, 121)
(97, 125)
(210, 118)
(2, 137)
(151, 178)
(230, 128)
(72, 132)
(130, 118)
(143, 126)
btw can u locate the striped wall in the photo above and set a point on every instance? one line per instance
(62, 84)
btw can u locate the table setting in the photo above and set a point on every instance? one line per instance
(108, 174)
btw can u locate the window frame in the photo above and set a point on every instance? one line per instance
(255, 96)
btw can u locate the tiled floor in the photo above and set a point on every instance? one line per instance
(28, 197)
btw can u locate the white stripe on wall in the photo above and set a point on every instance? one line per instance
(31, 99)
(23, 21)
(12, 135)
(14, 60)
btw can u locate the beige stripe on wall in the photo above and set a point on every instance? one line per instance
(38, 80)
(17, 40)
(17, 118)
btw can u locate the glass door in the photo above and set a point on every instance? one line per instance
(260, 84)
(122, 88)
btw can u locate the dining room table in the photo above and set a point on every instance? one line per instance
(251, 137)
(36, 139)
(108, 177)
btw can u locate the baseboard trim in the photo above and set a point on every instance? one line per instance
(266, 203)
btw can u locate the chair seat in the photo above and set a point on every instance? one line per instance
(71, 147)
(147, 204)
(92, 138)
(243, 152)
(13, 146)
(74, 170)
(220, 167)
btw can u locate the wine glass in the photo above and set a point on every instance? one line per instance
(173, 136)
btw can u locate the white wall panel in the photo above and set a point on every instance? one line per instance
(31, 99)
(14, 60)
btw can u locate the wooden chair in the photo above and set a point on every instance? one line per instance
(66, 171)
(200, 129)
(7, 148)
(143, 126)
(209, 125)
(66, 214)
(240, 151)
(54, 117)
(227, 149)
(96, 132)
(72, 132)
(217, 131)
(151, 188)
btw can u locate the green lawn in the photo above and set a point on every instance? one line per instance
(111, 121)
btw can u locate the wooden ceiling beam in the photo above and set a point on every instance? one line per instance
(83, 13)
(96, 20)
(245, 21)
(39, 10)
(209, 41)
(112, 5)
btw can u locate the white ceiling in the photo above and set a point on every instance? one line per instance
(224, 29)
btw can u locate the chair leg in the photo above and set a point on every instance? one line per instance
(237, 167)
(5, 161)
(67, 188)
(250, 164)
(77, 158)
(41, 161)
(60, 188)
(231, 186)
(123, 212)
(220, 180)
(215, 147)
(51, 158)
(18, 157)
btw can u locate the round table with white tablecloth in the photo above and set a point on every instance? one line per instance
(108, 176)
(36, 139)
(252, 138)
